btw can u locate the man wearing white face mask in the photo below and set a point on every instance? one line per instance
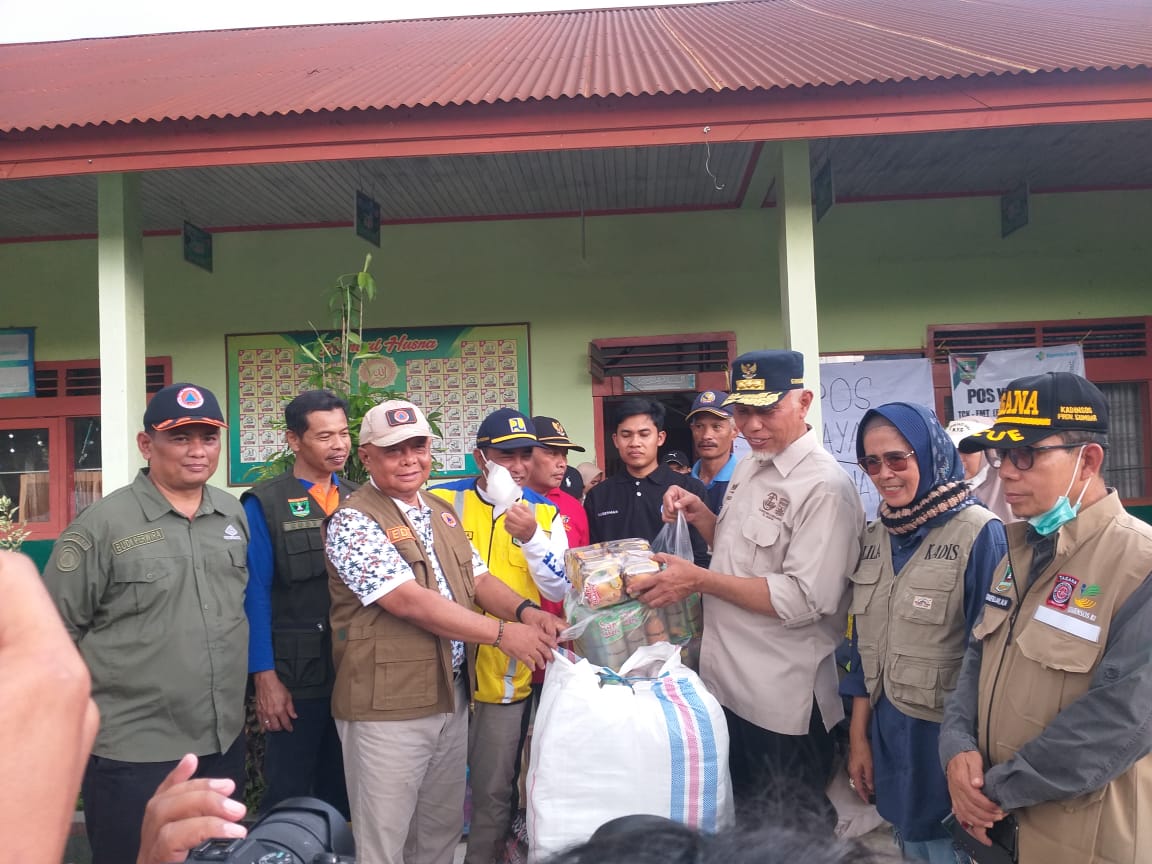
(520, 534)
(1046, 738)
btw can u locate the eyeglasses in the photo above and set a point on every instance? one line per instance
(895, 461)
(1024, 457)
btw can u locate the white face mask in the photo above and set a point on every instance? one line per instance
(500, 488)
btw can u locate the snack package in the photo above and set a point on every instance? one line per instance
(599, 572)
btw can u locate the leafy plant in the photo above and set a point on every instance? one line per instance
(13, 532)
(342, 363)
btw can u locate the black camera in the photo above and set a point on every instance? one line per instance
(295, 831)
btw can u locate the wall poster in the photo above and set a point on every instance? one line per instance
(463, 372)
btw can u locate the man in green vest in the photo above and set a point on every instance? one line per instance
(289, 645)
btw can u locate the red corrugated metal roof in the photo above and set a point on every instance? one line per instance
(742, 45)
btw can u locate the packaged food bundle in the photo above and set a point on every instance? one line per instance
(608, 636)
(600, 572)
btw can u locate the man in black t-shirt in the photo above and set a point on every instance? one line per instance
(628, 503)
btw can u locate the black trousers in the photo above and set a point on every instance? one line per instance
(116, 793)
(306, 761)
(781, 778)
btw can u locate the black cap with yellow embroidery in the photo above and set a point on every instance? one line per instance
(550, 432)
(760, 378)
(1033, 408)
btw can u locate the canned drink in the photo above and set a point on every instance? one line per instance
(676, 621)
(604, 640)
(632, 619)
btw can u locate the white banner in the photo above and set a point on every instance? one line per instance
(848, 390)
(979, 379)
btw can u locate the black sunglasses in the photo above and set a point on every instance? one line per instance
(1024, 457)
(895, 461)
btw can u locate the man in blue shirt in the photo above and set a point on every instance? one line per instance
(290, 644)
(713, 434)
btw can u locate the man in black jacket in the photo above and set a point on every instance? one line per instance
(290, 646)
(628, 503)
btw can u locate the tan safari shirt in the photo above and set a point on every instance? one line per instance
(155, 603)
(794, 522)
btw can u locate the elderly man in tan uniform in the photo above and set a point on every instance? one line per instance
(775, 595)
(404, 578)
(1046, 738)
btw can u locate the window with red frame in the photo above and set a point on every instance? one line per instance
(50, 456)
(1116, 359)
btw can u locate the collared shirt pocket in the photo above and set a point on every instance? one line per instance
(143, 589)
(762, 536)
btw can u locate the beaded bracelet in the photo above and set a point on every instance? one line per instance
(499, 636)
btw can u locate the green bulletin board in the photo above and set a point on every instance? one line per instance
(463, 372)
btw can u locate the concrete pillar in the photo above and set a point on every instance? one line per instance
(121, 268)
(798, 264)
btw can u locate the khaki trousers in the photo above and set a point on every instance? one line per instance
(406, 785)
(493, 751)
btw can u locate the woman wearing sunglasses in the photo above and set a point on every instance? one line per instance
(924, 569)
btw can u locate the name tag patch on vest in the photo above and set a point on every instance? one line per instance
(998, 601)
(400, 532)
(123, 545)
(300, 507)
(919, 601)
(1083, 629)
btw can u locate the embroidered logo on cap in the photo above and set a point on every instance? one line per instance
(556, 425)
(516, 424)
(190, 398)
(707, 397)
(399, 417)
(1062, 591)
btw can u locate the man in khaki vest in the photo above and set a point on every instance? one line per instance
(1046, 738)
(404, 578)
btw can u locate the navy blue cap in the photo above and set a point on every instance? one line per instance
(760, 378)
(710, 402)
(506, 429)
(181, 405)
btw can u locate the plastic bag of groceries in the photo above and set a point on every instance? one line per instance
(608, 636)
(600, 572)
(649, 739)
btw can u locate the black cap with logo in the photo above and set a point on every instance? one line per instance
(1033, 408)
(181, 405)
(550, 432)
(506, 429)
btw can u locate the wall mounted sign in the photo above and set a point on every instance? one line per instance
(197, 246)
(463, 372)
(17, 362)
(368, 218)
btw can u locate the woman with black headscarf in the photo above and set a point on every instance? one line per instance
(923, 575)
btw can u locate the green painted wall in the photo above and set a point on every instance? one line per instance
(885, 271)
